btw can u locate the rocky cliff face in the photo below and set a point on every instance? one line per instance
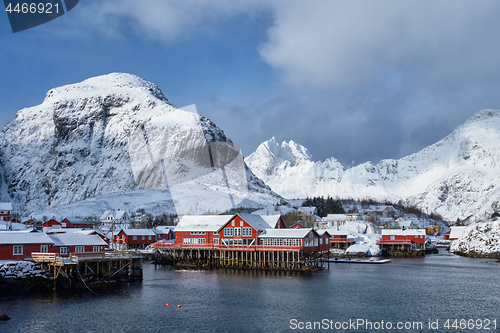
(456, 177)
(114, 134)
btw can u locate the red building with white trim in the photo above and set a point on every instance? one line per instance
(134, 238)
(18, 245)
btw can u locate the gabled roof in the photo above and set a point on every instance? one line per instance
(202, 222)
(24, 237)
(138, 232)
(320, 232)
(297, 225)
(272, 220)
(286, 233)
(77, 240)
(256, 221)
(117, 215)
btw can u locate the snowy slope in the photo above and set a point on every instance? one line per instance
(482, 239)
(118, 136)
(456, 177)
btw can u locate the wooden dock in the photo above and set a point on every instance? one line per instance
(250, 257)
(90, 267)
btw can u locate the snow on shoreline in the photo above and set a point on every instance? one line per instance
(482, 238)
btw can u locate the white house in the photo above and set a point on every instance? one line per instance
(115, 220)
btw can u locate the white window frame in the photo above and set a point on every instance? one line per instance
(228, 232)
(134, 237)
(63, 250)
(44, 249)
(392, 237)
(17, 250)
(79, 249)
(246, 232)
(216, 241)
(237, 231)
(97, 248)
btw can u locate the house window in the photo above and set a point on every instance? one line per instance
(96, 249)
(44, 248)
(18, 250)
(64, 250)
(392, 237)
(237, 231)
(149, 237)
(241, 223)
(232, 223)
(228, 232)
(247, 232)
(321, 241)
(134, 237)
(216, 233)
(216, 241)
(143, 237)
(79, 249)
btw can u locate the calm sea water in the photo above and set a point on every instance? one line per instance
(437, 287)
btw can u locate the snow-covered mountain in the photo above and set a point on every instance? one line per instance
(114, 141)
(457, 177)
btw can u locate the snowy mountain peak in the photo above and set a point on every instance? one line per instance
(457, 177)
(116, 134)
(103, 85)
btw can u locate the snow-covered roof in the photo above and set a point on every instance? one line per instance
(285, 233)
(322, 231)
(138, 232)
(256, 221)
(456, 231)
(5, 206)
(202, 222)
(307, 209)
(77, 240)
(117, 215)
(406, 232)
(336, 217)
(24, 237)
(405, 223)
(272, 220)
(164, 227)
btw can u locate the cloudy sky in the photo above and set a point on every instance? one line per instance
(356, 80)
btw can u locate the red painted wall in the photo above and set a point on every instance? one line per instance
(7, 251)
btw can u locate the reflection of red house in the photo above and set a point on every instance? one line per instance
(446, 236)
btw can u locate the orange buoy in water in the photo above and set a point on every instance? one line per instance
(168, 304)
(178, 306)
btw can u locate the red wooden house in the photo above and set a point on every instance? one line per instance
(52, 223)
(307, 240)
(407, 239)
(65, 245)
(297, 225)
(134, 238)
(18, 245)
(340, 239)
(6, 211)
(77, 223)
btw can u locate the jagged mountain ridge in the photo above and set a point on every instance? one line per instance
(76, 145)
(456, 177)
